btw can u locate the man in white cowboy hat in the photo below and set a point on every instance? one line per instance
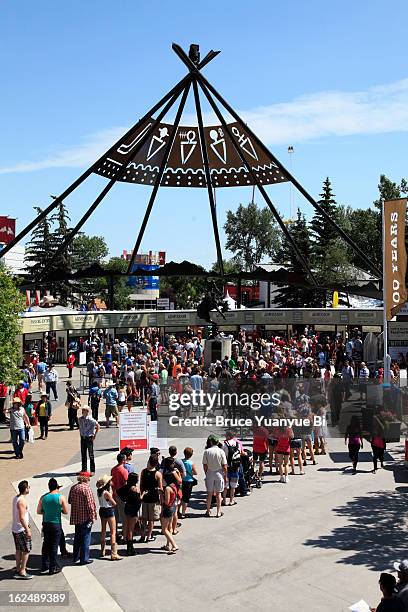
(111, 398)
(88, 428)
(18, 422)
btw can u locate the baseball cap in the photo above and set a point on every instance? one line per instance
(401, 566)
(85, 474)
(53, 484)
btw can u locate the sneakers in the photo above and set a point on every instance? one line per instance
(23, 576)
(44, 570)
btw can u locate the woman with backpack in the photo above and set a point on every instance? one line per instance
(232, 452)
(168, 510)
(355, 440)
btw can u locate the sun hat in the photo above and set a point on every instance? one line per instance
(401, 566)
(103, 481)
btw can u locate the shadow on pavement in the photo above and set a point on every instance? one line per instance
(376, 534)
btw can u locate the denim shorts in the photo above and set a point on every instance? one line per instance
(106, 512)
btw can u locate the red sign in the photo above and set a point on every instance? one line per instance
(7, 229)
(133, 430)
(162, 258)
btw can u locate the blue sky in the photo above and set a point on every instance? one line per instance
(329, 78)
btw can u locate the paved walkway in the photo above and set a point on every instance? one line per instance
(316, 544)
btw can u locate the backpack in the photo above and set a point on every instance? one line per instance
(233, 456)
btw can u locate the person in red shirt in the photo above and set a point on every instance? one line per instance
(260, 447)
(3, 394)
(21, 392)
(119, 478)
(70, 363)
(283, 435)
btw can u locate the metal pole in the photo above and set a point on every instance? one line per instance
(159, 175)
(208, 177)
(261, 188)
(120, 172)
(89, 171)
(203, 81)
(210, 56)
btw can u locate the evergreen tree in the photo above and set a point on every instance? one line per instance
(330, 257)
(323, 232)
(38, 250)
(291, 296)
(63, 262)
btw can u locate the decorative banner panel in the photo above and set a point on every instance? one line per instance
(185, 166)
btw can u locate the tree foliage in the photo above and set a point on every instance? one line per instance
(251, 234)
(38, 253)
(87, 250)
(11, 304)
(291, 296)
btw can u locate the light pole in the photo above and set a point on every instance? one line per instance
(291, 150)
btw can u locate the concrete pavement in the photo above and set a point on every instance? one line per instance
(316, 544)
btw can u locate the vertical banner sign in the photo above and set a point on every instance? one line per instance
(395, 256)
(133, 430)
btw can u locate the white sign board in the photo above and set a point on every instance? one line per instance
(154, 441)
(82, 358)
(162, 303)
(133, 430)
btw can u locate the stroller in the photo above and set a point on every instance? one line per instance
(250, 475)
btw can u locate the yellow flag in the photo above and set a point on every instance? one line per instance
(335, 299)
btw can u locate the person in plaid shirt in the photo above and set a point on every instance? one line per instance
(83, 514)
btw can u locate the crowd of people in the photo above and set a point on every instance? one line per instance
(312, 374)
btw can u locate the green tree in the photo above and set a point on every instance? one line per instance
(121, 290)
(11, 304)
(87, 250)
(251, 234)
(38, 251)
(330, 257)
(231, 266)
(291, 296)
(185, 291)
(322, 231)
(363, 225)
(63, 261)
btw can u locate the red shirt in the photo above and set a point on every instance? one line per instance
(21, 393)
(83, 507)
(119, 477)
(261, 436)
(3, 390)
(70, 362)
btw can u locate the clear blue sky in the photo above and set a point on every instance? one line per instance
(329, 78)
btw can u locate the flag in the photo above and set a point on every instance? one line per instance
(7, 229)
(395, 256)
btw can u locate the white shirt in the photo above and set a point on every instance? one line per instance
(214, 458)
